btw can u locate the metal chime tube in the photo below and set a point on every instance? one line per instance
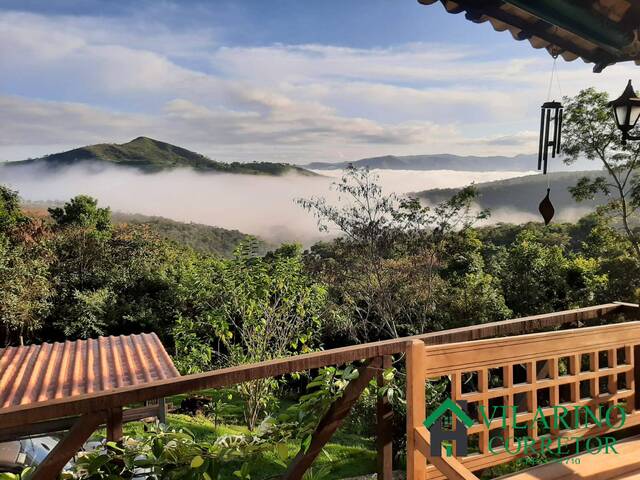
(556, 124)
(546, 140)
(540, 145)
(558, 139)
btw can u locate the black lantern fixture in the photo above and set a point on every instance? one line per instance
(626, 111)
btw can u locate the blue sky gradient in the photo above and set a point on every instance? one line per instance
(279, 80)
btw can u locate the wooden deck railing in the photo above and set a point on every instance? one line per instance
(534, 376)
(85, 413)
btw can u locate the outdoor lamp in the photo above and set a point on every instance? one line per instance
(626, 111)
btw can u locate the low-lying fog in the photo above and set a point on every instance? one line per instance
(259, 205)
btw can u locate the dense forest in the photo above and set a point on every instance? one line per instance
(399, 268)
(77, 273)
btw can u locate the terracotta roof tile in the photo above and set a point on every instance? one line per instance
(558, 41)
(38, 373)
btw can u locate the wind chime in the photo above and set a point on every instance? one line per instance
(549, 145)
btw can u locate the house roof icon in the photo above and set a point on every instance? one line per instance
(452, 406)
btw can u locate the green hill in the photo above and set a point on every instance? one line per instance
(203, 238)
(151, 156)
(523, 194)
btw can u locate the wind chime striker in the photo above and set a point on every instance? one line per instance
(549, 145)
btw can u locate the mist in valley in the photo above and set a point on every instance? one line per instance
(261, 205)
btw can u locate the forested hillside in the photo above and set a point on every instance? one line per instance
(523, 194)
(149, 155)
(202, 238)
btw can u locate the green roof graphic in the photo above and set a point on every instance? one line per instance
(448, 404)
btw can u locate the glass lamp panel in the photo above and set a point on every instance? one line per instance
(635, 114)
(621, 116)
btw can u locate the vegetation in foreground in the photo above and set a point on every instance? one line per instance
(399, 268)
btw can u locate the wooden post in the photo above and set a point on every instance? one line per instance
(636, 375)
(162, 411)
(332, 420)
(416, 408)
(384, 427)
(114, 425)
(64, 451)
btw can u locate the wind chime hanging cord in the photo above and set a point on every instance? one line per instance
(553, 73)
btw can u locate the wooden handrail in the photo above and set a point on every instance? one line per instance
(608, 377)
(107, 400)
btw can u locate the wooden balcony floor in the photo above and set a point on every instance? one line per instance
(625, 465)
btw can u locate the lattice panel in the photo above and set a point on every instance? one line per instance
(586, 378)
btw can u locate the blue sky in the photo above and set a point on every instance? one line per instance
(351, 23)
(279, 80)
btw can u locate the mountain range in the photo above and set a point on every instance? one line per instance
(151, 156)
(444, 161)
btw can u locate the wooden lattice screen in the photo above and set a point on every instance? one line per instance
(582, 367)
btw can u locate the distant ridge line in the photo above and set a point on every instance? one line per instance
(444, 161)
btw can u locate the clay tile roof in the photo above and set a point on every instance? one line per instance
(602, 32)
(37, 373)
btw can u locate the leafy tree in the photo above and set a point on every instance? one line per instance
(540, 278)
(469, 294)
(257, 309)
(10, 213)
(88, 313)
(590, 131)
(383, 268)
(607, 247)
(82, 211)
(118, 283)
(25, 291)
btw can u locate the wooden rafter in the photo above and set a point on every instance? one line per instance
(64, 451)
(332, 420)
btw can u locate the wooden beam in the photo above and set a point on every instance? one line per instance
(106, 400)
(443, 359)
(114, 425)
(64, 451)
(64, 424)
(332, 420)
(384, 427)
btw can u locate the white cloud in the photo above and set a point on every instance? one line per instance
(259, 205)
(78, 80)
